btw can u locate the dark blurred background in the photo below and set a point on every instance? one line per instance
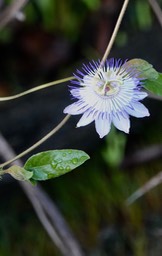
(48, 40)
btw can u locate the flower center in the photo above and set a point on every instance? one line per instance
(108, 88)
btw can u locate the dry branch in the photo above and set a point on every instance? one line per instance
(11, 11)
(47, 212)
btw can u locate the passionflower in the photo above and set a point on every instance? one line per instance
(107, 94)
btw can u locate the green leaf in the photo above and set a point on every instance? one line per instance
(19, 173)
(145, 69)
(53, 163)
(154, 86)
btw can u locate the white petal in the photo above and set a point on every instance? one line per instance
(137, 109)
(103, 126)
(121, 122)
(86, 79)
(87, 118)
(75, 92)
(140, 95)
(76, 108)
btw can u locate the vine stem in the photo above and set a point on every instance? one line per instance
(47, 136)
(37, 88)
(114, 34)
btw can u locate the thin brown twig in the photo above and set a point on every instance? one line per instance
(48, 204)
(10, 12)
(42, 216)
(152, 183)
(143, 155)
(157, 10)
(47, 212)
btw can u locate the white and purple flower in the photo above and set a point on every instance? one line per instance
(107, 94)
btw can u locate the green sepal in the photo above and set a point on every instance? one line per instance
(145, 69)
(19, 173)
(152, 80)
(155, 86)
